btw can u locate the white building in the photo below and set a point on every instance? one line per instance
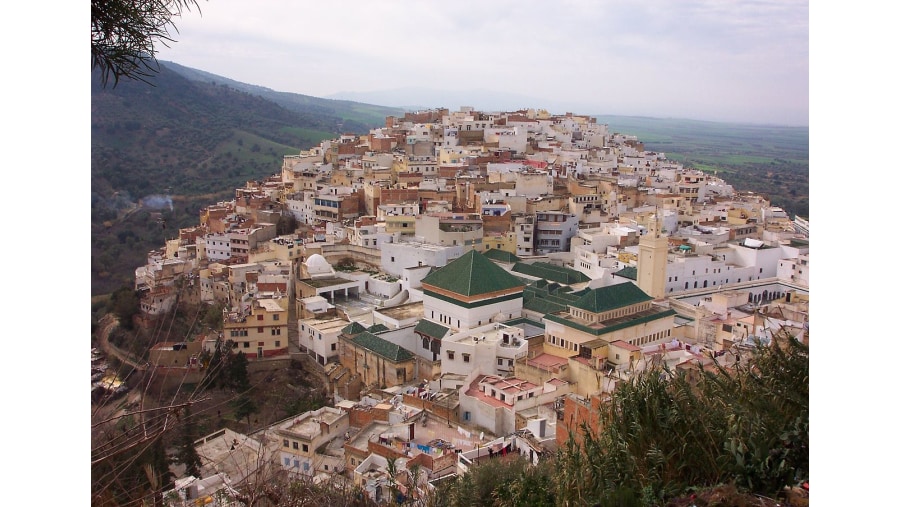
(397, 256)
(492, 349)
(470, 292)
(319, 337)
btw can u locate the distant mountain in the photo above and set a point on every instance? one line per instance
(356, 116)
(416, 98)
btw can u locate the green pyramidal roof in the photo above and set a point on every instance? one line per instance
(352, 329)
(471, 275)
(611, 297)
(500, 255)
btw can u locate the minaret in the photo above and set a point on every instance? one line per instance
(652, 257)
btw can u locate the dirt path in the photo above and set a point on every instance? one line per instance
(108, 323)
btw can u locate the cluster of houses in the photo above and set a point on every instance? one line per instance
(472, 284)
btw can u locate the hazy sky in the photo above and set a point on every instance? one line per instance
(744, 61)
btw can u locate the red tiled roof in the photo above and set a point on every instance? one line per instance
(625, 345)
(547, 361)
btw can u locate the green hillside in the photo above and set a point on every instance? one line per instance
(354, 116)
(160, 153)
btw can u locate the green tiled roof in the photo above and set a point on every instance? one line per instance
(382, 347)
(629, 272)
(377, 328)
(471, 275)
(624, 324)
(431, 329)
(556, 293)
(611, 297)
(542, 305)
(551, 272)
(500, 255)
(352, 329)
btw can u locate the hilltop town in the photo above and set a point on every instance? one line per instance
(470, 284)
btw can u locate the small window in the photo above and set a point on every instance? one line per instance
(466, 358)
(276, 317)
(450, 355)
(246, 345)
(286, 443)
(305, 448)
(334, 346)
(259, 317)
(296, 445)
(277, 343)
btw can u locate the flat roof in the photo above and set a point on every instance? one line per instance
(270, 305)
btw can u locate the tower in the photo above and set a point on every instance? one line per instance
(652, 256)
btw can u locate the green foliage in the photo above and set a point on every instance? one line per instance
(236, 376)
(300, 404)
(212, 317)
(187, 453)
(664, 433)
(216, 368)
(244, 406)
(125, 304)
(501, 481)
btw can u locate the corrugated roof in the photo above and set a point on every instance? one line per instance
(382, 347)
(611, 297)
(471, 275)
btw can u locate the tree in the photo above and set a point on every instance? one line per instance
(187, 453)
(243, 407)
(212, 318)
(215, 375)
(237, 376)
(287, 224)
(125, 304)
(124, 34)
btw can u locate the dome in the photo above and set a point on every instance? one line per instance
(317, 265)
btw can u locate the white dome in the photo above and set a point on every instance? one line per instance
(317, 265)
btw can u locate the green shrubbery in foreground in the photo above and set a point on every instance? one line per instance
(665, 434)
